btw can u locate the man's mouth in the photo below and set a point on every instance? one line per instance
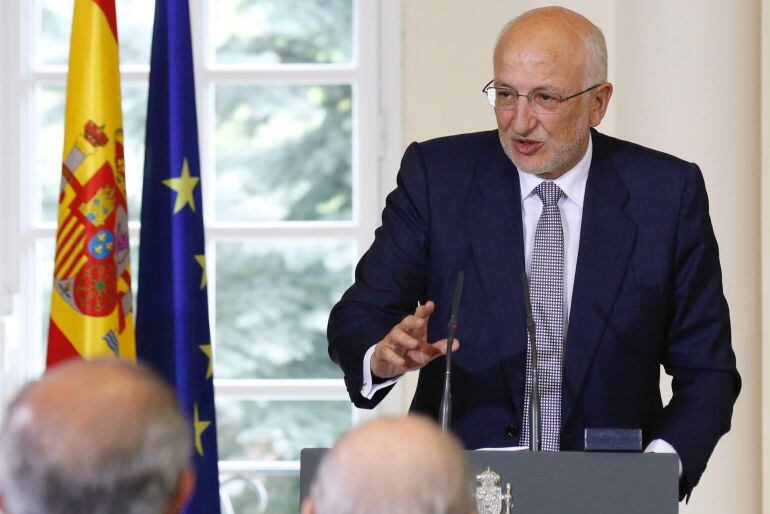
(527, 146)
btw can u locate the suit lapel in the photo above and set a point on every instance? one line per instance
(607, 239)
(495, 228)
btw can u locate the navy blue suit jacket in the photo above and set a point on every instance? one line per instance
(647, 291)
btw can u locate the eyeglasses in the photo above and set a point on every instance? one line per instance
(541, 102)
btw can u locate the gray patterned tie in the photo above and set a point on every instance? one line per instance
(547, 296)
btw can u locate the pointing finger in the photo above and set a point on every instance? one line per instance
(424, 311)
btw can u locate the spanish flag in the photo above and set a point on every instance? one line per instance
(91, 306)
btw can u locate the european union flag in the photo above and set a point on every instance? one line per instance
(172, 322)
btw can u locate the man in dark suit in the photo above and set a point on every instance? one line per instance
(617, 243)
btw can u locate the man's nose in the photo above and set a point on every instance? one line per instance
(524, 118)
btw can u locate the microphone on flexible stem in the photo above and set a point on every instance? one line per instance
(535, 426)
(446, 398)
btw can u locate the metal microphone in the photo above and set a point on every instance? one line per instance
(446, 398)
(535, 425)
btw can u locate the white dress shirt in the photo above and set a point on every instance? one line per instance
(573, 184)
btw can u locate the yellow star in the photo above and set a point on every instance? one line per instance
(206, 348)
(199, 427)
(202, 261)
(184, 186)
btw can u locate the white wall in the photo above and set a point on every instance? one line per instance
(687, 81)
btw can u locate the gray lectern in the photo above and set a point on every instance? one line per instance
(567, 482)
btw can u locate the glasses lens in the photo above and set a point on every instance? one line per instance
(490, 92)
(542, 102)
(539, 101)
(501, 98)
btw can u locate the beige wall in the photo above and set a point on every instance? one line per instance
(687, 79)
(765, 195)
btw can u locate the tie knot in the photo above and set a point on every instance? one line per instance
(549, 193)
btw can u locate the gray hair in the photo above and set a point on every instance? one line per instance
(394, 466)
(123, 449)
(596, 56)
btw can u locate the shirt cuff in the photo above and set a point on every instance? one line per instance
(369, 388)
(661, 446)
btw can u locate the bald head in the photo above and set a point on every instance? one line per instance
(77, 398)
(93, 437)
(561, 33)
(395, 466)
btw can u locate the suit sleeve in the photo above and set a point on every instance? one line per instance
(698, 353)
(389, 278)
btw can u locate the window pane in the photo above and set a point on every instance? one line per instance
(259, 493)
(272, 303)
(278, 430)
(134, 248)
(55, 27)
(49, 109)
(47, 152)
(134, 31)
(283, 152)
(135, 19)
(44, 255)
(134, 119)
(283, 31)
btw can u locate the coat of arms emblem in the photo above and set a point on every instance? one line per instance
(489, 494)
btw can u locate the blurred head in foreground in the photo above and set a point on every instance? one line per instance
(393, 466)
(95, 438)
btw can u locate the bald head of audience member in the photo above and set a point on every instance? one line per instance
(95, 438)
(393, 466)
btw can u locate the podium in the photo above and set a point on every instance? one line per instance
(567, 482)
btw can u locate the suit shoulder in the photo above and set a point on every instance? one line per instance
(459, 148)
(633, 158)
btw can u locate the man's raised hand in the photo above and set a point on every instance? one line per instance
(406, 347)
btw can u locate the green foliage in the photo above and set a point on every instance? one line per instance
(277, 430)
(273, 299)
(284, 152)
(288, 31)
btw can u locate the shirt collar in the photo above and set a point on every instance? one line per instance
(572, 183)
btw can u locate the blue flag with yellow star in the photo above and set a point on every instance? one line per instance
(172, 319)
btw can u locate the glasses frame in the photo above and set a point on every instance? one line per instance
(528, 96)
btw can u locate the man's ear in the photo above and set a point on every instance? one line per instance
(184, 491)
(308, 507)
(600, 99)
